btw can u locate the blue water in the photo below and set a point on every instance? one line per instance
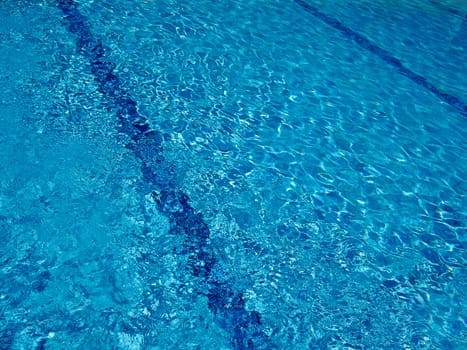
(233, 175)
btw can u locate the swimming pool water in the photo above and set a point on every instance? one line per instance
(233, 175)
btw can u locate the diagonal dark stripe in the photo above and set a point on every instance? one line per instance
(451, 10)
(386, 56)
(224, 300)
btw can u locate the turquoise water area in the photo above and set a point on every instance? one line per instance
(233, 175)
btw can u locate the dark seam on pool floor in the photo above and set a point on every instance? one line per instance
(227, 303)
(363, 42)
(446, 8)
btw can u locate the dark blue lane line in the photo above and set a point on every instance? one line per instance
(224, 300)
(446, 8)
(363, 42)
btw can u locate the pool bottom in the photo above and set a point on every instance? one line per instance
(225, 302)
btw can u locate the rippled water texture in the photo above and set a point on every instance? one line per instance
(331, 185)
